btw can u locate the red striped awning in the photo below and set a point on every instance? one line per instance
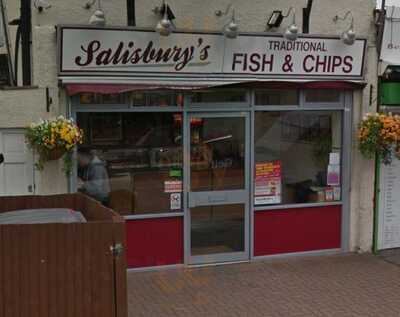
(104, 88)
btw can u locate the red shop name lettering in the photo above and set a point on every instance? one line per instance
(128, 54)
(327, 64)
(264, 63)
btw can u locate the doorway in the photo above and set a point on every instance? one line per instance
(16, 170)
(218, 162)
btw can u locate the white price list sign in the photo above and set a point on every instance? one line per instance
(389, 206)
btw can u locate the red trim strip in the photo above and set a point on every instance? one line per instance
(154, 242)
(74, 89)
(297, 230)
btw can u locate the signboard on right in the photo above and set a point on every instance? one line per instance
(390, 51)
(88, 51)
(389, 206)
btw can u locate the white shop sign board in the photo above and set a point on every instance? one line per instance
(389, 206)
(390, 50)
(128, 52)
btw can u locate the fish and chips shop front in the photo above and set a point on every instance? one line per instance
(214, 149)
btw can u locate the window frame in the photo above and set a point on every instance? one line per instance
(288, 106)
(342, 157)
(220, 105)
(304, 102)
(76, 107)
(345, 105)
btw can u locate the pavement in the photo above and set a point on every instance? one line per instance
(339, 286)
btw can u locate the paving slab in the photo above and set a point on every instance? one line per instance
(339, 286)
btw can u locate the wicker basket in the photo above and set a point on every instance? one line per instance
(55, 154)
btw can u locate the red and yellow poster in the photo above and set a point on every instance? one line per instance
(268, 183)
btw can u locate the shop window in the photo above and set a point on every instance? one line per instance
(297, 157)
(217, 153)
(322, 96)
(132, 162)
(276, 97)
(219, 96)
(157, 99)
(107, 99)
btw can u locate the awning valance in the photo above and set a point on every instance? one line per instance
(114, 88)
(74, 89)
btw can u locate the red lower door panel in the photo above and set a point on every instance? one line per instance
(297, 230)
(154, 242)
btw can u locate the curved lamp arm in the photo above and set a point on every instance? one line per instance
(220, 13)
(348, 13)
(291, 10)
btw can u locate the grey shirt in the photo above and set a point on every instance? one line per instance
(96, 180)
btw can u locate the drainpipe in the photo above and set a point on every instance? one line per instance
(130, 6)
(380, 27)
(26, 36)
(377, 183)
(306, 17)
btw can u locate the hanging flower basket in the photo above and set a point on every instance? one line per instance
(54, 139)
(56, 154)
(379, 134)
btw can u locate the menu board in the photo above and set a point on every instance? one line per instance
(389, 206)
(268, 183)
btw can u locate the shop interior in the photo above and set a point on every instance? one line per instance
(142, 152)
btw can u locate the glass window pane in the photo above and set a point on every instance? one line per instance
(87, 98)
(218, 96)
(157, 99)
(107, 99)
(276, 97)
(217, 229)
(297, 157)
(132, 162)
(322, 95)
(217, 153)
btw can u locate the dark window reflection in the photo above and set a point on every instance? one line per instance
(140, 155)
(297, 157)
(217, 153)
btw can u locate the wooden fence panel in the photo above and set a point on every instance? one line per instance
(10, 272)
(22, 245)
(2, 280)
(103, 256)
(120, 272)
(34, 260)
(52, 267)
(63, 270)
(79, 309)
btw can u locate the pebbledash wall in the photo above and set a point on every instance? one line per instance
(18, 108)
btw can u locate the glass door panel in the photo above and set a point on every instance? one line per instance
(217, 153)
(217, 229)
(218, 187)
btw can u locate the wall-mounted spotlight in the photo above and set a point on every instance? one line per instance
(165, 26)
(275, 19)
(348, 36)
(98, 17)
(230, 29)
(41, 5)
(291, 32)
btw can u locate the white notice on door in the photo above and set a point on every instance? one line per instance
(175, 201)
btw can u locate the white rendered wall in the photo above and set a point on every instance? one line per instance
(20, 107)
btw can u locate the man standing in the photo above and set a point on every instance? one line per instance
(93, 178)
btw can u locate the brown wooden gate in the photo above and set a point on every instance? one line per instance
(57, 270)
